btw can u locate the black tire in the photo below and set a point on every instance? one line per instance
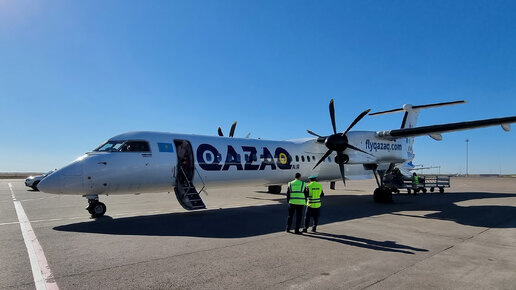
(377, 196)
(97, 209)
(409, 191)
(431, 189)
(35, 185)
(387, 194)
(441, 189)
(275, 189)
(382, 195)
(424, 190)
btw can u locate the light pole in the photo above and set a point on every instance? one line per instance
(467, 156)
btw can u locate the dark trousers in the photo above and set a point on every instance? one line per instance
(312, 213)
(299, 215)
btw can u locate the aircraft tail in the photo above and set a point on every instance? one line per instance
(405, 168)
(412, 112)
(410, 119)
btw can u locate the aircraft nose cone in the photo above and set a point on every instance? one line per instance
(51, 183)
(67, 180)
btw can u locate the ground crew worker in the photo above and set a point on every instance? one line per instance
(415, 182)
(313, 209)
(296, 198)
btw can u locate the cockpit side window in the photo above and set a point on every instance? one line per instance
(135, 146)
(124, 146)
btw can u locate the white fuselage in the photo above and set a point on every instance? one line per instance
(217, 161)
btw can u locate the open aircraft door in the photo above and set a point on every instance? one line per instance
(185, 190)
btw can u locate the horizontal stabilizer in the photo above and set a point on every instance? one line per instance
(410, 107)
(443, 128)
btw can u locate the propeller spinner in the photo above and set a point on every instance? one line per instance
(338, 142)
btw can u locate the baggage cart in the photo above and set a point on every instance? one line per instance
(426, 182)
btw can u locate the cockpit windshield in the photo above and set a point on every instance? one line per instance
(110, 146)
(124, 146)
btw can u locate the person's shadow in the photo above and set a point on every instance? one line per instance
(388, 246)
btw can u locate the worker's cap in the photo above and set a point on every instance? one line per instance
(312, 177)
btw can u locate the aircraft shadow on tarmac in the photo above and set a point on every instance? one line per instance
(260, 220)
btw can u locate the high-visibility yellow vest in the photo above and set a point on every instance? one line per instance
(415, 179)
(297, 192)
(314, 194)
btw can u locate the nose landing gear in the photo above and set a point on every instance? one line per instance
(95, 207)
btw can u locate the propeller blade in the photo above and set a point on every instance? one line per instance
(356, 120)
(220, 132)
(232, 131)
(358, 149)
(341, 166)
(324, 157)
(332, 116)
(312, 133)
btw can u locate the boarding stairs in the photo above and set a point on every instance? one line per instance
(187, 194)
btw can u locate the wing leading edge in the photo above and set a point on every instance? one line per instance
(435, 130)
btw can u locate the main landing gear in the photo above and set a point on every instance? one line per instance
(382, 194)
(95, 207)
(274, 189)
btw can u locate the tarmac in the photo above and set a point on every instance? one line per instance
(464, 238)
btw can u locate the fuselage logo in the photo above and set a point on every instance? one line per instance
(382, 146)
(210, 159)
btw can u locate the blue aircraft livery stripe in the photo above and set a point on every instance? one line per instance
(165, 147)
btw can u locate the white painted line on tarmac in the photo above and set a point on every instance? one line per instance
(41, 198)
(139, 213)
(11, 223)
(43, 277)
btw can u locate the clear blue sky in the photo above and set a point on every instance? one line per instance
(74, 73)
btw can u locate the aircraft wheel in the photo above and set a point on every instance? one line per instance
(382, 195)
(441, 189)
(431, 189)
(275, 189)
(377, 195)
(424, 190)
(97, 209)
(409, 190)
(387, 193)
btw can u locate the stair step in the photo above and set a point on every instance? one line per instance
(189, 198)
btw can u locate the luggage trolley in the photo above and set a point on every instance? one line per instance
(431, 182)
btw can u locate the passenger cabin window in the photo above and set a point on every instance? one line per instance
(297, 158)
(303, 158)
(308, 158)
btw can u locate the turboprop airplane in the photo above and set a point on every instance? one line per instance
(144, 162)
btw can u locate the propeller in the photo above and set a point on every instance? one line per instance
(338, 142)
(231, 131)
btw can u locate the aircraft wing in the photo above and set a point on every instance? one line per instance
(435, 130)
